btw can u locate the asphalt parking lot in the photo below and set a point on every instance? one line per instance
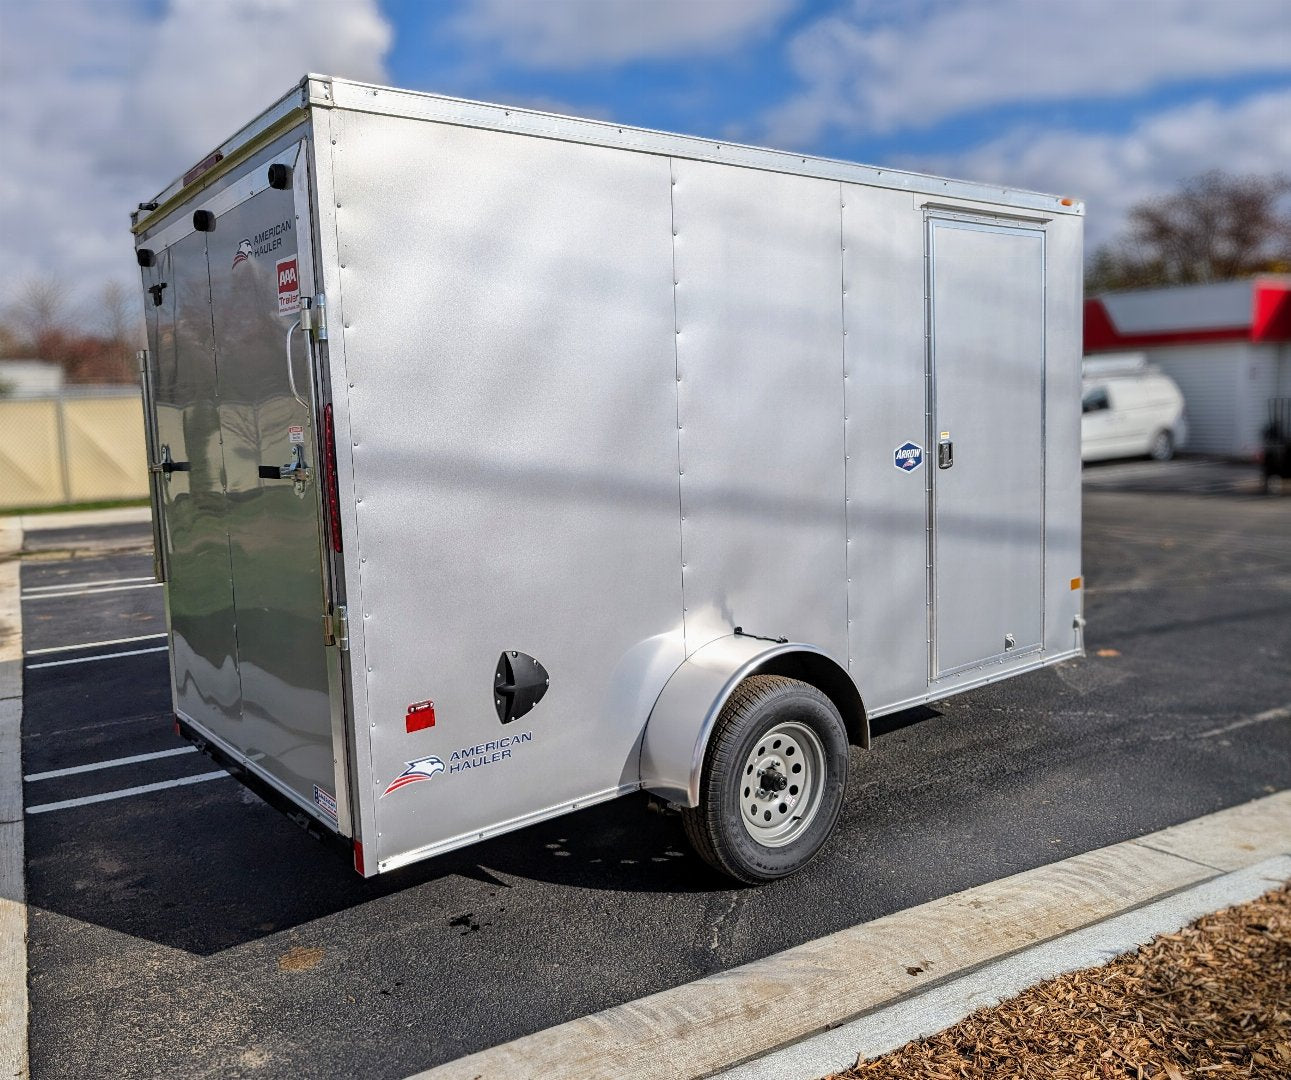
(184, 928)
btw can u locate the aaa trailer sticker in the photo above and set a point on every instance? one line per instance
(288, 286)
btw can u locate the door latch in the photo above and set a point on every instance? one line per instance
(167, 464)
(945, 454)
(296, 470)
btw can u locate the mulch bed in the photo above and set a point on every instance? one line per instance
(1212, 1001)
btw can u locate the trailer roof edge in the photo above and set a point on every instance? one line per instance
(284, 113)
(329, 92)
(325, 91)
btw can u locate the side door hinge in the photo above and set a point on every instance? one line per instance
(336, 628)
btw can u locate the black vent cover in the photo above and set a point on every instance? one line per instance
(518, 685)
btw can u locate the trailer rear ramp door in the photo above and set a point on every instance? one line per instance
(239, 504)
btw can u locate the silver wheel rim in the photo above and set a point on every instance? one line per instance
(782, 784)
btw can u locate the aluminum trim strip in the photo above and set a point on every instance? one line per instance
(940, 693)
(388, 101)
(406, 857)
(237, 755)
(251, 184)
(235, 149)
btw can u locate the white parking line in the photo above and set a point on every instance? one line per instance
(83, 584)
(94, 644)
(1281, 713)
(91, 659)
(90, 592)
(123, 793)
(96, 765)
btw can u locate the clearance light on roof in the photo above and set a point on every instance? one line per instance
(205, 165)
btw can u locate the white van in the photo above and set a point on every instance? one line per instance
(1129, 408)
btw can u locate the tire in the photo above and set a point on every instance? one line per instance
(771, 732)
(1161, 448)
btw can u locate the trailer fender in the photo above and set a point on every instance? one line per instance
(682, 719)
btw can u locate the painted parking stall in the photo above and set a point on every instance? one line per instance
(99, 748)
(224, 940)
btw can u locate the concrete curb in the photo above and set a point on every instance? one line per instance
(945, 1005)
(83, 519)
(13, 895)
(734, 1017)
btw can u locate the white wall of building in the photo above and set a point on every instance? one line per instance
(30, 377)
(1226, 387)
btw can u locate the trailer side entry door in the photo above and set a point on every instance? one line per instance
(247, 585)
(986, 442)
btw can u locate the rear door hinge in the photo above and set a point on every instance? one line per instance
(336, 628)
(315, 322)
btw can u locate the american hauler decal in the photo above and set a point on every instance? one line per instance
(263, 243)
(422, 769)
(468, 758)
(489, 753)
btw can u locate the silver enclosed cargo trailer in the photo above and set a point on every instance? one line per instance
(503, 463)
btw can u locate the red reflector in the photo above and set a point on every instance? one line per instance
(421, 716)
(329, 470)
(176, 725)
(358, 856)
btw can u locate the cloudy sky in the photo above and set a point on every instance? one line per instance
(103, 102)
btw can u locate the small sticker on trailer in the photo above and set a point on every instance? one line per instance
(908, 456)
(325, 802)
(288, 286)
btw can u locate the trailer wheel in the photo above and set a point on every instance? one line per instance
(774, 779)
(1162, 446)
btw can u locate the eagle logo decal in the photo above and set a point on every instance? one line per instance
(421, 769)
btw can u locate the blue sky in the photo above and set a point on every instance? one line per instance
(102, 102)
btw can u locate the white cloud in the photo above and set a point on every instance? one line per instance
(574, 34)
(881, 66)
(1111, 172)
(103, 103)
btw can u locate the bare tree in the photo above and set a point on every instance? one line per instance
(11, 343)
(119, 315)
(1216, 227)
(120, 330)
(41, 306)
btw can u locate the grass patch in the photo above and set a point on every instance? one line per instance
(63, 508)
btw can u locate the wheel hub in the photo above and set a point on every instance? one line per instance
(781, 785)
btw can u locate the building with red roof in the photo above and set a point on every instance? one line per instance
(1227, 345)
